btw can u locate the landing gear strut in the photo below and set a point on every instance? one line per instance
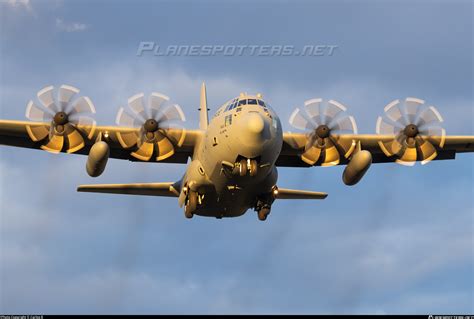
(191, 204)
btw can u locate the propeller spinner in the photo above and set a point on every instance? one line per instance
(415, 128)
(159, 127)
(324, 123)
(60, 123)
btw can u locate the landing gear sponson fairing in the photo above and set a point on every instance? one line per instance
(233, 158)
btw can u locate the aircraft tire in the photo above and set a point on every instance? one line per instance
(243, 167)
(191, 205)
(253, 167)
(263, 213)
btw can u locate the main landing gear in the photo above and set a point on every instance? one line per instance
(263, 212)
(264, 204)
(190, 204)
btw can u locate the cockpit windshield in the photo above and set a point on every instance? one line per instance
(241, 102)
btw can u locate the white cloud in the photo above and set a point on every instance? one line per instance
(70, 27)
(20, 4)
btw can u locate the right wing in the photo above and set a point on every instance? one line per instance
(294, 143)
(14, 133)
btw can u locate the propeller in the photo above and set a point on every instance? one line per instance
(64, 121)
(159, 123)
(415, 128)
(324, 122)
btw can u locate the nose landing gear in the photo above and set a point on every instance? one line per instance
(246, 166)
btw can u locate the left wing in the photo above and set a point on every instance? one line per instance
(15, 133)
(294, 147)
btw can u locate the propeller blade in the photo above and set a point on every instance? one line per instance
(35, 113)
(412, 109)
(55, 144)
(311, 155)
(331, 154)
(65, 95)
(75, 141)
(38, 132)
(165, 147)
(85, 124)
(155, 102)
(82, 105)
(313, 109)
(394, 113)
(46, 98)
(124, 118)
(136, 105)
(429, 116)
(144, 152)
(384, 127)
(174, 132)
(127, 139)
(332, 109)
(408, 157)
(346, 124)
(171, 113)
(427, 150)
(300, 121)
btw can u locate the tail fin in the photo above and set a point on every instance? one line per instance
(203, 118)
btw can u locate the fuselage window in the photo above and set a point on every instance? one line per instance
(252, 101)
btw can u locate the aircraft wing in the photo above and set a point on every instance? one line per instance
(294, 147)
(15, 133)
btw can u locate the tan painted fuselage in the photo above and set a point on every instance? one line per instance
(249, 132)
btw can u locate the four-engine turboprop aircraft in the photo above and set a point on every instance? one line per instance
(234, 156)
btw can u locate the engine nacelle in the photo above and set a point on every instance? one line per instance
(97, 159)
(357, 167)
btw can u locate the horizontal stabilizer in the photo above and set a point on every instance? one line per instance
(150, 189)
(284, 193)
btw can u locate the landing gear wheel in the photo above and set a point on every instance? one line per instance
(191, 205)
(263, 213)
(253, 167)
(243, 167)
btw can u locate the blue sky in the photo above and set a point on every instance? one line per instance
(401, 241)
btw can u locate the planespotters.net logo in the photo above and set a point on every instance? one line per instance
(150, 48)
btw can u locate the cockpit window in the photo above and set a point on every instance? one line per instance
(261, 103)
(252, 101)
(242, 102)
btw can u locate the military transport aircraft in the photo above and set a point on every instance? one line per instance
(233, 158)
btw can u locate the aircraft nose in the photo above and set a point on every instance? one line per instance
(255, 123)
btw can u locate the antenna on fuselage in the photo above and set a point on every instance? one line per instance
(203, 118)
